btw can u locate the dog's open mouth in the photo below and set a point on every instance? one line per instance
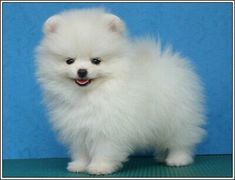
(82, 82)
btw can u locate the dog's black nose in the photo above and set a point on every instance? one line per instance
(82, 73)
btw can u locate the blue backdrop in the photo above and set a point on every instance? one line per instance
(200, 31)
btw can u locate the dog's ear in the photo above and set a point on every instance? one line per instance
(115, 24)
(51, 24)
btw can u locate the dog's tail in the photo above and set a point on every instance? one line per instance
(148, 47)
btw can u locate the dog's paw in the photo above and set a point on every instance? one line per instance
(77, 166)
(179, 159)
(99, 168)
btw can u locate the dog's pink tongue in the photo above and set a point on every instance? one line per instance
(82, 81)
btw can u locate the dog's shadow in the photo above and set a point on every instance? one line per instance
(137, 166)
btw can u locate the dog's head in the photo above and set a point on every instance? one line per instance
(82, 48)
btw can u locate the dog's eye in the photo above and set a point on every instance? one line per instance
(96, 60)
(70, 61)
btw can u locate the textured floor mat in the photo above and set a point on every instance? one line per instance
(204, 166)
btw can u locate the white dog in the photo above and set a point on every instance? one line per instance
(109, 96)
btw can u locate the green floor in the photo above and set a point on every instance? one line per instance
(204, 166)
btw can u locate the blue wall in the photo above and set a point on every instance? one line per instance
(200, 31)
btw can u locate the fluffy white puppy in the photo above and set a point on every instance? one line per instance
(109, 96)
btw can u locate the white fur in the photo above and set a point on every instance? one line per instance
(143, 97)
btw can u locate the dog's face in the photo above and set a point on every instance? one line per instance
(81, 48)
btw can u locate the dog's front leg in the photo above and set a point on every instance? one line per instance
(107, 157)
